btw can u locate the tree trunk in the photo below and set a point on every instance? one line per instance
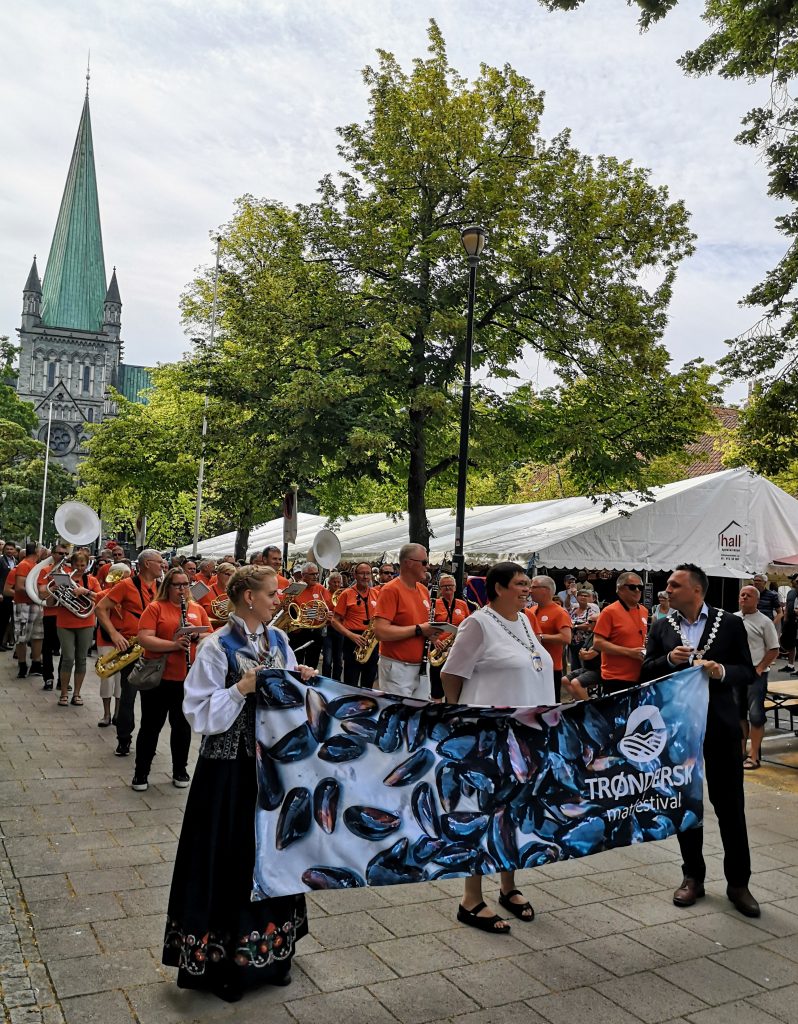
(416, 482)
(242, 542)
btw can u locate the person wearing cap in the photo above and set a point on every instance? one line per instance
(769, 600)
(789, 626)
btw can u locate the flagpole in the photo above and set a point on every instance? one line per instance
(201, 473)
(46, 468)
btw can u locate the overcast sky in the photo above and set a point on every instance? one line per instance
(196, 102)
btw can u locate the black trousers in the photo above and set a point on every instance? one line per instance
(332, 659)
(165, 700)
(310, 656)
(356, 674)
(126, 715)
(6, 613)
(51, 646)
(723, 767)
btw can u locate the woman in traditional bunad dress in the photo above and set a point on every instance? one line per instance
(219, 939)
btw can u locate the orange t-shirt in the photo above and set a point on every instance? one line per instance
(50, 610)
(312, 592)
(24, 567)
(65, 619)
(403, 607)
(11, 579)
(550, 619)
(282, 583)
(625, 627)
(103, 571)
(459, 612)
(217, 590)
(163, 618)
(354, 610)
(125, 593)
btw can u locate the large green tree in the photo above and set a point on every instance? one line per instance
(757, 40)
(343, 322)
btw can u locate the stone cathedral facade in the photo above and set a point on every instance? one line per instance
(70, 336)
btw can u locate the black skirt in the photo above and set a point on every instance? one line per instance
(215, 934)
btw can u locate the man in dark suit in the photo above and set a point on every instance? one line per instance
(694, 633)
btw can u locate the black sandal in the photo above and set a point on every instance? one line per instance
(486, 924)
(517, 909)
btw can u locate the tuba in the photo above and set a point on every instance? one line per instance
(77, 524)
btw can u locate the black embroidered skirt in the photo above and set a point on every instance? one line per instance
(214, 932)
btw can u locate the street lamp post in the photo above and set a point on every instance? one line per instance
(473, 239)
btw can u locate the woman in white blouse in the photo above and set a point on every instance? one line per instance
(220, 940)
(497, 660)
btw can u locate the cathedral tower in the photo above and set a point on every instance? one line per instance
(71, 320)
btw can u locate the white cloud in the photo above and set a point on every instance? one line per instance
(195, 103)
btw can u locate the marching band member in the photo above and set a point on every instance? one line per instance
(132, 597)
(273, 557)
(353, 614)
(402, 625)
(75, 634)
(312, 637)
(51, 645)
(385, 574)
(448, 608)
(110, 686)
(158, 627)
(28, 621)
(206, 572)
(217, 590)
(332, 660)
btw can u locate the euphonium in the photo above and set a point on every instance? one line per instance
(114, 661)
(439, 654)
(362, 654)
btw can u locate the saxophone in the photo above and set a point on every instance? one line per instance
(362, 654)
(114, 661)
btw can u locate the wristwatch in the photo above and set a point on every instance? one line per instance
(418, 631)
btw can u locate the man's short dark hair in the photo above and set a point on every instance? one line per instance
(271, 547)
(501, 572)
(697, 575)
(31, 549)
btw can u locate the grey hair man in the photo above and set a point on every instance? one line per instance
(620, 635)
(763, 643)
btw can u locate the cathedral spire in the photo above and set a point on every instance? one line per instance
(33, 284)
(73, 289)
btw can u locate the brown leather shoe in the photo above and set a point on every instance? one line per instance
(743, 901)
(688, 892)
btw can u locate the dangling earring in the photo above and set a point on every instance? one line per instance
(251, 608)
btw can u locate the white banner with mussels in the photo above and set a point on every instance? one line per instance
(357, 787)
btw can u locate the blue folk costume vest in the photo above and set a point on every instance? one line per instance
(234, 642)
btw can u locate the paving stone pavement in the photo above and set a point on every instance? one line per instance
(85, 865)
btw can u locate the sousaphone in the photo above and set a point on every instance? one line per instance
(77, 524)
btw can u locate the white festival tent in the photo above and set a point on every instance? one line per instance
(732, 523)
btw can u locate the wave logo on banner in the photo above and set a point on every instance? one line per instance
(358, 787)
(642, 747)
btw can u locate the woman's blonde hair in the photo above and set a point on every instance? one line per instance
(248, 577)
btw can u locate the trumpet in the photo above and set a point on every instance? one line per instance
(114, 661)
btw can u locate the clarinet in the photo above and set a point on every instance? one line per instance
(183, 624)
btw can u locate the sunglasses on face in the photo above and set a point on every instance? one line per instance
(421, 561)
(633, 586)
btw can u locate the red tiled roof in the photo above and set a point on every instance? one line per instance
(706, 451)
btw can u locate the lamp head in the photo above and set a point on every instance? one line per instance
(473, 238)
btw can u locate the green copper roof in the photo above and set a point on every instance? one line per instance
(132, 381)
(74, 280)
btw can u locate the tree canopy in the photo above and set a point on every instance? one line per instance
(338, 356)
